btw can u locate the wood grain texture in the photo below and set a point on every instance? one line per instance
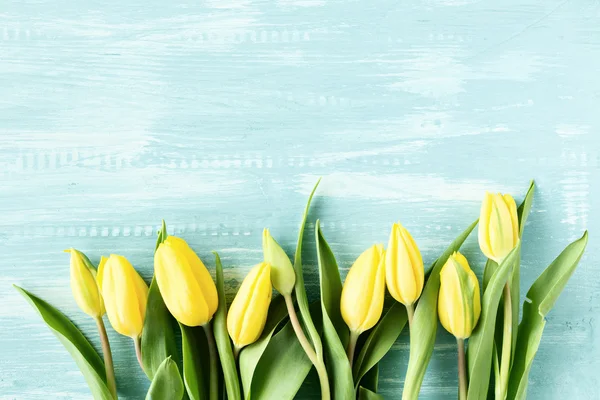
(220, 115)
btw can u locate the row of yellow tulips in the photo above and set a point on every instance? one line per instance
(190, 294)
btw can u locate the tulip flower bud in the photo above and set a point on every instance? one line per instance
(84, 286)
(459, 302)
(498, 226)
(125, 295)
(185, 284)
(404, 272)
(248, 312)
(283, 275)
(364, 290)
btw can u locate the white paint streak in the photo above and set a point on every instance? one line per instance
(405, 187)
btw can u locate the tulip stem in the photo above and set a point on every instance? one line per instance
(236, 353)
(410, 311)
(462, 370)
(501, 389)
(108, 360)
(212, 350)
(352, 346)
(137, 343)
(308, 349)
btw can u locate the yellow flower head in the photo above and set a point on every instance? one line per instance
(364, 290)
(84, 286)
(185, 284)
(404, 272)
(125, 295)
(498, 226)
(248, 312)
(459, 302)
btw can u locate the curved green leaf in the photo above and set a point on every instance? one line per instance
(300, 290)
(195, 350)
(422, 335)
(541, 298)
(366, 394)
(87, 359)
(525, 207)
(230, 374)
(380, 340)
(334, 328)
(167, 383)
(251, 355)
(481, 343)
(282, 368)
(158, 335)
(515, 274)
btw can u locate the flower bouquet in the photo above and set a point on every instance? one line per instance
(190, 344)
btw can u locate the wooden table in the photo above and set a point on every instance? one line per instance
(219, 116)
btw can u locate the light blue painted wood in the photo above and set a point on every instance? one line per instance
(220, 115)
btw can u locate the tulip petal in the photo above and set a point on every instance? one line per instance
(121, 299)
(179, 287)
(484, 221)
(512, 209)
(200, 272)
(364, 290)
(248, 312)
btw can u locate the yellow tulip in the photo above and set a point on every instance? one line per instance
(283, 275)
(498, 226)
(185, 284)
(404, 272)
(84, 286)
(459, 302)
(364, 289)
(248, 312)
(125, 295)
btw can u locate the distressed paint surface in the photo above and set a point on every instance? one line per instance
(219, 116)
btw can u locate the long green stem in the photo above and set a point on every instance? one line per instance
(462, 370)
(502, 388)
(108, 360)
(236, 353)
(352, 346)
(212, 351)
(137, 342)
(308, 349)
(410, 311)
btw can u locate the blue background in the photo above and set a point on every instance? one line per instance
(219, 116)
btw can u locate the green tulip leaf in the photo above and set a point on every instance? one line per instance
(515, 275)
(481, 343)
(424, 327)
(525, 208)
(251, 355)
(195, 361)
(335, 332)
(158, 335)
(283, 366)
(87, 359)
(167, 383)
(300, 290)
(230, 374)
(540, 299)
(380, 340)
(366, 394)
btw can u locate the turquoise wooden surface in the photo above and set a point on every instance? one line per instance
(220, 115)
